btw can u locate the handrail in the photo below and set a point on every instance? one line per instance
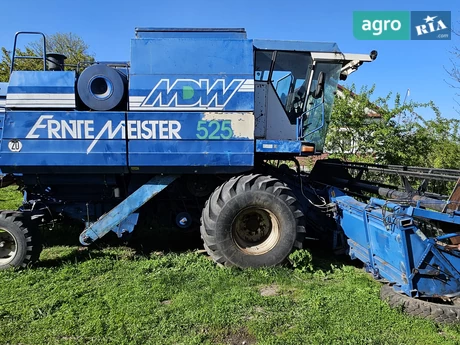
(301, 117)
(14, 57)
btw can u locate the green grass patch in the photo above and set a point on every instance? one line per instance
(10, 198)
(113, 296)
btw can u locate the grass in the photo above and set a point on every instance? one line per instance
(115, 296)
(10, 198)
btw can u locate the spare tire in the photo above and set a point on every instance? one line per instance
(102, 88)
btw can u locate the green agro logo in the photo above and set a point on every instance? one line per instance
(401, 25)
(391, 25)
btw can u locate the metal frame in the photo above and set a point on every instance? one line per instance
(123, 212)
(13, 57)
(393, 248)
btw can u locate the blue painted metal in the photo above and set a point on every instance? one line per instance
(127, 225)
(297, 46)
(56, 82)
(191, 139)
(191, 56)
(85, 140)
(125, 208)
(2, 123)
(191, 92)
(384, 236)
(3, 89)
(190, 73)
(41, 89)
(278, 146)
(231, 33)
(53, 139)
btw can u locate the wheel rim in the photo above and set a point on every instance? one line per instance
(255, 231)
(8, 247)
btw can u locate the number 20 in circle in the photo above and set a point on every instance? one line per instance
(15, 145)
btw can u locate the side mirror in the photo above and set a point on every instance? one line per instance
(319, 85)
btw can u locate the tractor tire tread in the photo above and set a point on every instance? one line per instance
(238, 185)
(440, 313)
(22, 224)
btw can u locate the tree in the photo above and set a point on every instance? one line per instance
(361, 130)
(69, 44)
(445, 142)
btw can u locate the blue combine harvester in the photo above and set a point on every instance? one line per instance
(200, 112)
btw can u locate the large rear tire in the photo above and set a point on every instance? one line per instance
(252, 221)
(19, 244)
(441, 313)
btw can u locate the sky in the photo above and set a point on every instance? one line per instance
(108, 26)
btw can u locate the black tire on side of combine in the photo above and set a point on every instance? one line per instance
(252, 221)
(441, 313)
(102, 88)
(19, 244)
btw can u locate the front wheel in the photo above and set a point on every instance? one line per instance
(252, 221)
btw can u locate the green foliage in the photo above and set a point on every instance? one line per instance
(301, 260)
(380, 132)
(69, 44)
(444, 138)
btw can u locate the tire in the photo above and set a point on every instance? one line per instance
(102, 88)
(19, 245)
(440, 313)
(252, 221)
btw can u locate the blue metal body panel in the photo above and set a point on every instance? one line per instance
(2, 123)
(384, 237)
(191, 93)
(127, 225)
(64, 139)
(113, 140)
(195, 139)
(112, 220)
(190, 33)
(191, 56)
(42, 82)
(297, 46)
(191, 74)
(41, 89)
(3, 89)
(278, 146)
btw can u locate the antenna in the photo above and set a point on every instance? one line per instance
(404, 102)
(407, 94)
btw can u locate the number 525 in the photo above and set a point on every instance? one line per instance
(214, 129)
